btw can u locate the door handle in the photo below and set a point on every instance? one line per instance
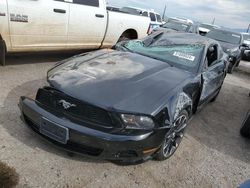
(60, 11)
(99, 15)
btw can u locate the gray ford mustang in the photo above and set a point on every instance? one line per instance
(131, 103)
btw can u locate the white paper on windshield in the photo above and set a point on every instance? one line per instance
(235, 35)
(184, 56)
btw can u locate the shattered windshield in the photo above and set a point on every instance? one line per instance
(178, 26)
(225, 36)
(184, 56)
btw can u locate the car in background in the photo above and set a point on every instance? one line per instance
(129, 104)
(155, 18)
(204, 28)
(245, 129)
(232, 44)
(246, 40)
(178, 26)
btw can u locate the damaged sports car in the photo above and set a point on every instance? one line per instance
(131, 103)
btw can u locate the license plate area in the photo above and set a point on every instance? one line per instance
(54, 131)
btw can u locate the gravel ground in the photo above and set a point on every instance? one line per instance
(212, 154)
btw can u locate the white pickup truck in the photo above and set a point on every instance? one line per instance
(44, 25)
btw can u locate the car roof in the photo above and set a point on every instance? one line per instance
(186, 38)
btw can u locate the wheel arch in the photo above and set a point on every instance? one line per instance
(130, 34)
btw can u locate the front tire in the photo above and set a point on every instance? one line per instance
(2, 53)
(173, 138)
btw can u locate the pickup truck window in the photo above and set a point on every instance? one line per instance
(152, 17)
(94, 3)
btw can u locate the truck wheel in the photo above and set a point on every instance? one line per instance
(123, 38)
(2, 53)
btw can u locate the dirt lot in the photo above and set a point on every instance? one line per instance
(212, 154)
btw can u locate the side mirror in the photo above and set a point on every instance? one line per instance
(244, 45)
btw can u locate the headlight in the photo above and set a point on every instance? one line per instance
(137, 122)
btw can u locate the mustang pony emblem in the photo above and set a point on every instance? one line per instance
(66, 105)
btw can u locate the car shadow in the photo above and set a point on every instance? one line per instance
(11, 121)
(40, 57)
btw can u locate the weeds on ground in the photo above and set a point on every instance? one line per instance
(8, 176)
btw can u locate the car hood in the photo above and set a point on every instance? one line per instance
(117, 80)
(226, 46)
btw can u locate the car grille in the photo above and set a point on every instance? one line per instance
(74, 108)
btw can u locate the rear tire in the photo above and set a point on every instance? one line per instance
(216, 96)
(2, 53)
(231, 67)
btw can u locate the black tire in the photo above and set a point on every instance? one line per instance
(238, 63)
(231, 67)
(216, 96)
(123, 38)
(2, 53)
(245, 129)
(168, 148)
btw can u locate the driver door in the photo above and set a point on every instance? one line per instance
(212, 74)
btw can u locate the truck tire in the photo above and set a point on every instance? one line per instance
(2, 53)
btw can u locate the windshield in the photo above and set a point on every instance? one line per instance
(184, 56)
(225, 36)
(178, 26)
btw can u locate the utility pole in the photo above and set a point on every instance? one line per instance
(213, 21)
(248, 28)
(165, 8)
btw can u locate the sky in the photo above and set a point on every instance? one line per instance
(228, 13)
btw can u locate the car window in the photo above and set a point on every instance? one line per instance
(212, 55)
(94, 3)
(145, 14)
(152, 17)
(158, 18)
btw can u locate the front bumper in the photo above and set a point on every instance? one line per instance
(91, 142)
